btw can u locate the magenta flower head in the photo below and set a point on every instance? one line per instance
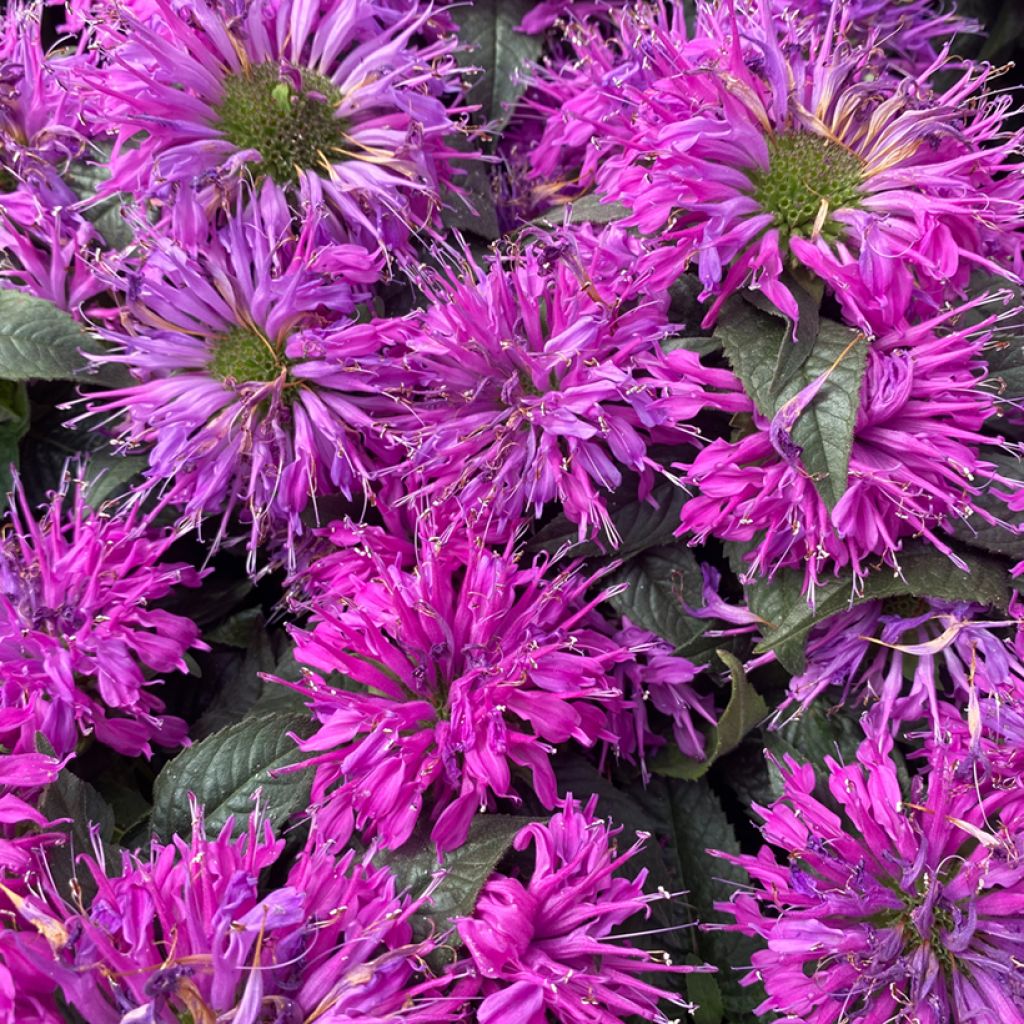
(543, 380)
(81, 630)
(474, 665)
(893, 909)
(237, 403)
(545, 947)
(895, 656)
(335, 105)
(191, 931)
(746, 159)
(916, 466)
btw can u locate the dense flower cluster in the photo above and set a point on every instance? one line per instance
(463, 669)
(77, 630)
(890, 908)
(447, 444)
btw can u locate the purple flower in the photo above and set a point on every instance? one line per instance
(543, 380)
(545, 947)
(894, 657)
(335, 105)
(911, 32)
(46, 241)
(459, 670)
(81, 630)
(916, 465)
(189, 932)
(658, 678)
(239, 405)
(748, 151)
(894, 909)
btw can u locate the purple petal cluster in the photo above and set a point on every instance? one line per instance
(81, 629)
(544, 947)
(878, 906)
(917, 464)
(455, 673)
(336, 107)
(541, 381)
(187, 930)
(237, 402)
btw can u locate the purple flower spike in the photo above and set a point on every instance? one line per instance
(238, 403)
(894, 909)
(545, 948)
(335, 105)
(80, 628)
(460, 669)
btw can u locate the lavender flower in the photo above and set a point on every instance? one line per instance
(79, 630)
(335, 105)
(896, 908)
(748, 151)
(658, 678)
(894, 656)
(188, 931)
(238, 403)
(46, 241)
(474, 665)
(916, 465)
(544, 947)
(543, 380)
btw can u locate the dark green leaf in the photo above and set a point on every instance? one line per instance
(226, 769)
(746, 710)
(640, 526)
(501, 53)
(14, 421)
(925, 573)
(588, 209)
(70, 798)
(690, 818)
(997, 539)
(38, 341)
(660, 581)
(85, 179)
(241, 685)
(466, 869)
(753, 342)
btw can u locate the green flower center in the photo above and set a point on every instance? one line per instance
(243, 356)
(291, 129)
(808, 178)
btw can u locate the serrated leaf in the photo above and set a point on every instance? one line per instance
(753, 342)
(587, 209)
(745, 711)
(690, 817)
(71, 798)
(225, 770)
(466, 870)
(501, 53)
(997, 539)
(241, 685)
(85, 179)
(14, 422)
(925, 573)
(640, 525)
(38, 341)
(660, 582)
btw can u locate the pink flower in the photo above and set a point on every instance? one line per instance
(545, 947)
